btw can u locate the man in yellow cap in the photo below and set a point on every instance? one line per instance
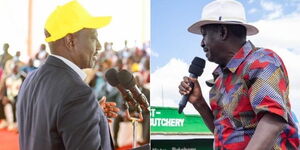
(55, 108)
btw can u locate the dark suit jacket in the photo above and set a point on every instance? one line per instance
(56, 110)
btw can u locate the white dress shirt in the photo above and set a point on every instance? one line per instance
(72, 65)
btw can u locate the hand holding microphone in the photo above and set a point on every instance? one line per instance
(190, 87)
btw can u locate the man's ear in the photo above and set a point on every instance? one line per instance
(223, 32)
(69, 41)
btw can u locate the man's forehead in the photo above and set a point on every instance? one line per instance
(203, 29)
(86, 32)
(210, 27)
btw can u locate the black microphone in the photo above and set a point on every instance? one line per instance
(112, 79)
(195, 70)
(127, 81)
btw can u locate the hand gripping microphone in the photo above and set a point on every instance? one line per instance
(127, 81)
(195, 70)
(112, 79)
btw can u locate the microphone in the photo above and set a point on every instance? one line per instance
(195, 70)
(128, 82)
(112, 79)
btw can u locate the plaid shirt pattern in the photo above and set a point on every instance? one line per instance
(254, 82)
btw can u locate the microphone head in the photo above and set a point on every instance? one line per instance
(197, 66)
(199, 62)
(111, 77)
(126, 79)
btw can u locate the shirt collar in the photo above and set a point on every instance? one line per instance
(72, 65)
(237, 59)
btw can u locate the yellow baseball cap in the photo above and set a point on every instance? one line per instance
(70, 18)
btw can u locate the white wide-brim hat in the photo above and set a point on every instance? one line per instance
(223, 12)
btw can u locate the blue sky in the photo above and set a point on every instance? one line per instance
(171, 18)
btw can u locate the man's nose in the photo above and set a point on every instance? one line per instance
(202, 43)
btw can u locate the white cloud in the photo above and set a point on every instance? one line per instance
(274, 10)
(269, 6)
(165, 82)
(281, 32)
(275, 14)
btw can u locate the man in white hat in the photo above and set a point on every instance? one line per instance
(249, 103)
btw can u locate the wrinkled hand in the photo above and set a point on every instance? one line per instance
(195, 93)
(109, 108)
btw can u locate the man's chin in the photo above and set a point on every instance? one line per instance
(210, 59)
(90, 65)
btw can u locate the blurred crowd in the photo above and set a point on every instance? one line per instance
(135, 59)
(12, 73)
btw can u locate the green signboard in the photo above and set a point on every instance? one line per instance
(173, 131)
(167, 120)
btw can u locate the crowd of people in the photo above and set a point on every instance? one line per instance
(134, 59)
(12, 73)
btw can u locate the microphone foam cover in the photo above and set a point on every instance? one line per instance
(196, 70)
(126, 79)
(199, 62)
(197, 66)
(111, 77)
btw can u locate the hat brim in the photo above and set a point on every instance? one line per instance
(97, 22)
(196, 27)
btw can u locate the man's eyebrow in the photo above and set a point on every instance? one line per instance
(202, 30)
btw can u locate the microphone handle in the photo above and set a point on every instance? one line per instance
(140, 98)
(127, 95)
(129, 98)
(185, 98)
